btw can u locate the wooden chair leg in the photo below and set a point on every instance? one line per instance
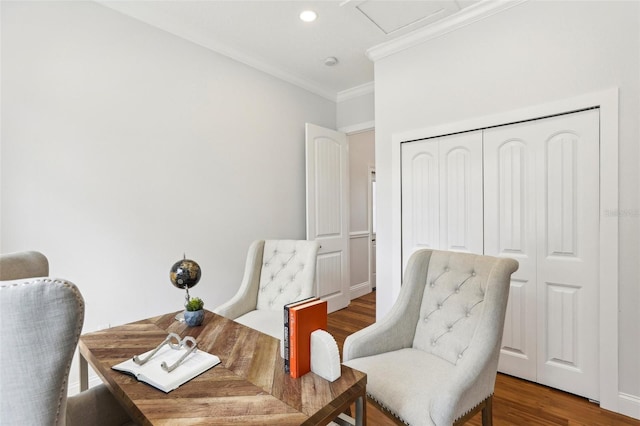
(487, 412)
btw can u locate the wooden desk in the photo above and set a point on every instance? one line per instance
(248, 387)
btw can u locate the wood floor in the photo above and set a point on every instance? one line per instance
(515, 402)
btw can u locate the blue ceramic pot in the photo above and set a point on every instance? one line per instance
(193, 318)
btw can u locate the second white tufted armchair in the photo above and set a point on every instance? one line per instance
(433, 359)
(276, 272)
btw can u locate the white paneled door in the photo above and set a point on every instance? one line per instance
(327, 171)
(510, 231)
(442, 194)
(529, 191)
(542, 208)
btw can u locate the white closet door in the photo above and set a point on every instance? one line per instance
(568, 252)
(541, 207)
(420, 197)
(461, 193)
(442, 194)
(510, 231)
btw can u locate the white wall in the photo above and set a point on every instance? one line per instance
(124, 146)
(355, 111)
(532, 54)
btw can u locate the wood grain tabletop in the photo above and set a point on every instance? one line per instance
(249, 386)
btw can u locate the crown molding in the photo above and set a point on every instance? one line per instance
(165, 24)
(354, 92)
(261, 65)
(466, 16)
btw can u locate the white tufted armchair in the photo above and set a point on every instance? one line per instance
(433, 359)
(277, 272)
(40, 323)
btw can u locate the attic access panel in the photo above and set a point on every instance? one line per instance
(392, 16)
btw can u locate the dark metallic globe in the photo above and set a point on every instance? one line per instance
(185, 273)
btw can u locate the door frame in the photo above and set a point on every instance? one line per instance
(607, 101)
(371, 216)
(349, 131)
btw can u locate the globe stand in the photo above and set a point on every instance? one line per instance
(180, 315)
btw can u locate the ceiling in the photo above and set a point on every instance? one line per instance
(269, 35)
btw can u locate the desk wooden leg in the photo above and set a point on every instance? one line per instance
(361, 411)
(84, 374)
(345, 419)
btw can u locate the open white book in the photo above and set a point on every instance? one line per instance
(152, 373)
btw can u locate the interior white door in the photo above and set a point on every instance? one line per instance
(510, 231)
(327, 173)
(461, 193)
(542, 208)
(442, 194)
(568, 253)
(420, 197)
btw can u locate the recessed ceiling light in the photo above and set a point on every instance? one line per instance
(308, 16)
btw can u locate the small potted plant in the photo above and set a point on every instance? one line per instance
(194, 314)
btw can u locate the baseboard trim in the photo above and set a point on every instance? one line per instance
(629, 405)
(359, 290)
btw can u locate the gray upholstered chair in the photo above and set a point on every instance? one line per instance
(40, 323)
(433, 359)
(25, 264)
(276, 272)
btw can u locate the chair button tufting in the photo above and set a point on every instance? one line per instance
(439, 305)
(459, 356)
(446, 269)
(457, 290)
(473, 274)
(432, 284)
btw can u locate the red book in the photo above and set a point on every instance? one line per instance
(303, 320)
(287, 335)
